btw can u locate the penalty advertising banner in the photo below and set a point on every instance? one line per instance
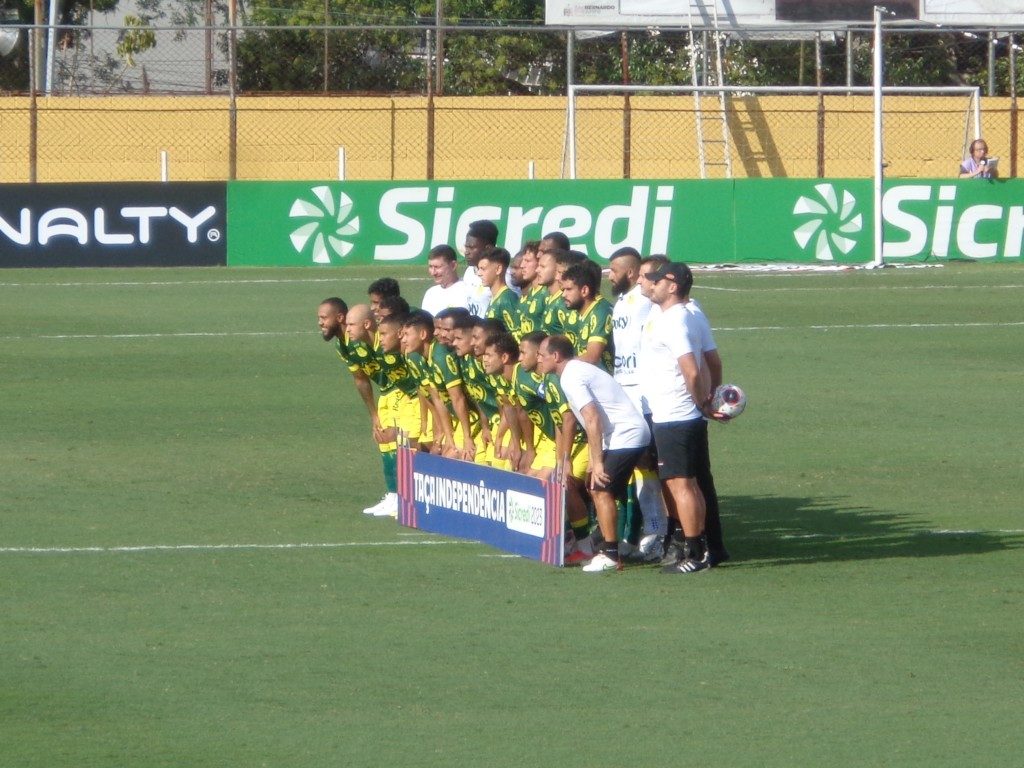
(506, 510)
(710, 221)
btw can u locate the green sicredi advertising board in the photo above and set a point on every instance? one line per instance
(706, 221)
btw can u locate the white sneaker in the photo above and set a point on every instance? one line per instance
(388, 506)
(373, 510)
(601, 563)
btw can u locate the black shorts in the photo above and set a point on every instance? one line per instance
(619, 465)
(682, 447)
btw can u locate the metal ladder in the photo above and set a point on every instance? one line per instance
(712, 153)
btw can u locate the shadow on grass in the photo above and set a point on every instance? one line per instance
(768, 530)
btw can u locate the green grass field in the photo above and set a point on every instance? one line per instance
(168, 438)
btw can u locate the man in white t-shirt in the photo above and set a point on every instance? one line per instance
(448, 290)
(712, 365)
(617, 435)
(677, 395)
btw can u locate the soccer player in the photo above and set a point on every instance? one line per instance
(417, 339)
(551, 266)
(589, 324)
(410, 408)
(448, 290)
(499, 360)
(355, 347)
(549, 429)
(391, 306)
(332, 317)
(677, 394)
(630, 314)
(531, 302)
(617, 435)
(481, 389)
(380, 289)
(448, 392)
(492, 268)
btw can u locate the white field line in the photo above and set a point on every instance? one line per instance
(134, 283)
(698, 289)
(784, 289)
(183, 334)
(129, 549)
(939, 532)
(145, 548)
(726, 329)
(868, 326)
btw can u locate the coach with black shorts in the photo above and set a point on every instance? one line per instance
(617, 435)
(675, 390)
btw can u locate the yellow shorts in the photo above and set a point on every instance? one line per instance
(546, 457)
(474, 432)
(490, 456)
(409, 416)
(388, 407)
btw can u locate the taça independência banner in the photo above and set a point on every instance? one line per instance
(113, 225)
(698, 221)
(506, 510)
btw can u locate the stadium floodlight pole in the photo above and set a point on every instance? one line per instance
(877, 261)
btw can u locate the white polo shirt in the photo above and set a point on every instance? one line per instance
(437, 298)
(667, 336)
(622, 425)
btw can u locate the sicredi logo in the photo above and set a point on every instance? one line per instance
(327, 225)
(524, 513)
(409, 220)
(136, 225)
(926, 220)
(829, 224)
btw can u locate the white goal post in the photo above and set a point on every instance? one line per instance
(971, 122)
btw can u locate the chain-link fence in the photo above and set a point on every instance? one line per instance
(418, 101)
(784, 133)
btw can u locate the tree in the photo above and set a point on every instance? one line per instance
(14, 74)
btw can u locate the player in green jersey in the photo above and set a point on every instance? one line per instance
(417, 338)
(504, 304)
(480, 389)
(538, 405)
(333, 315)
(531, 303)
(551, 267)
(411, 413)
(590, 323)
(448, 391)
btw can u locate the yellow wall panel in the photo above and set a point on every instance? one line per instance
(298, 137)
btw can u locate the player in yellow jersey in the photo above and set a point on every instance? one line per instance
(332, 316)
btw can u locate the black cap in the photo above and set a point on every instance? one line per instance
(677, 272)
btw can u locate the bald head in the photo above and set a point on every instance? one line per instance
(359, 323)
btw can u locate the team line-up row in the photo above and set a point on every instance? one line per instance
(524, 365)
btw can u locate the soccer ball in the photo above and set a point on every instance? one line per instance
(729, 401)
